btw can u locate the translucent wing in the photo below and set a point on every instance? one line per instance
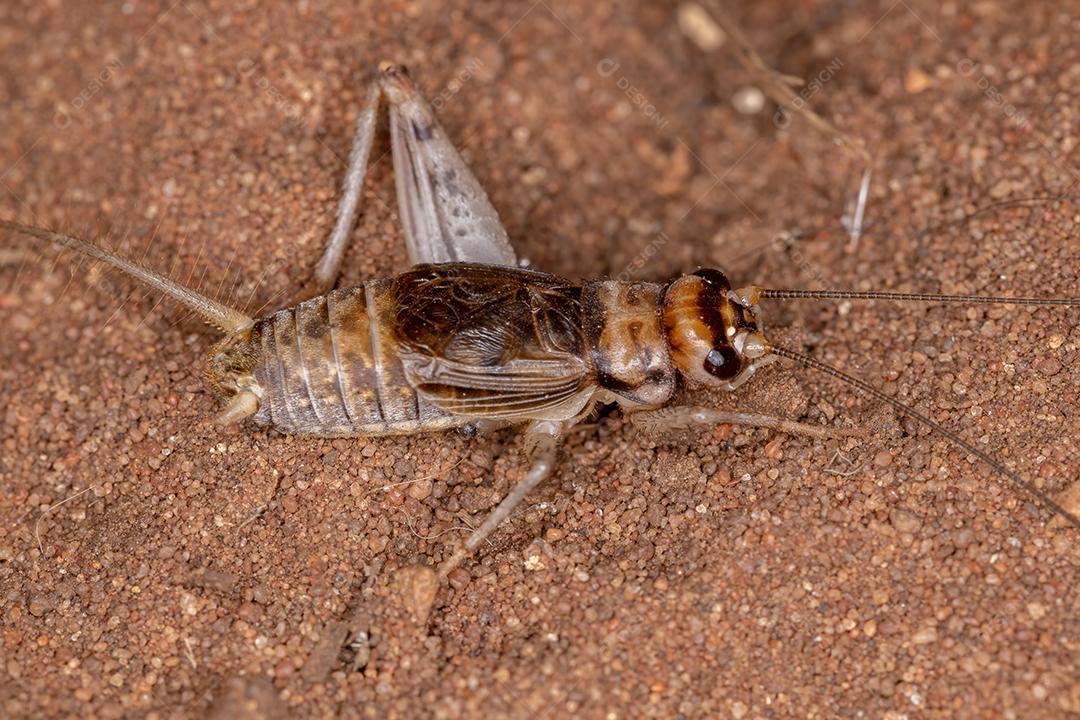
(445, 212)
(493, 341)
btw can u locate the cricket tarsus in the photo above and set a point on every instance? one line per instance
(1025, 485)
(223, 317)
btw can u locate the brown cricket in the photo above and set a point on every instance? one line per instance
(467, 337)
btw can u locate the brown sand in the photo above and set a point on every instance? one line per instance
(725, 573)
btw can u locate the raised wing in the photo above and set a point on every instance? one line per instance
(445, 212)
(493, 341)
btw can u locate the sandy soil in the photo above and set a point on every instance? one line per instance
(153, 566)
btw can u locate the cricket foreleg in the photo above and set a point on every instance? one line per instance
(544, 439)
(672, 418)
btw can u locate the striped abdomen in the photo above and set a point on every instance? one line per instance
(329, 366)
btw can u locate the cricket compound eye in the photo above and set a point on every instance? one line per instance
(723, 363)
(701, 324)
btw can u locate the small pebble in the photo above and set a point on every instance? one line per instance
(883, 459)
(924, 636)
(418, 584)
(458, 578)
(421, 489)
(696, 23)
(39, 605)
(904, 521)
(1048, 366)
(1001, 189)
(554, 534)
(916, 81)
(749, 100)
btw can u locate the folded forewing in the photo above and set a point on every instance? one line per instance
(555, 388)
(493, 341)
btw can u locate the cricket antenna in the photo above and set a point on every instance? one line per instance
(1025, 485)
(221, 316)
(770, 293)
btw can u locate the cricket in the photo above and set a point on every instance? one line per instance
(467, 338)
(704, 359)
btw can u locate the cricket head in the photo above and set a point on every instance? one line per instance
(714, 333)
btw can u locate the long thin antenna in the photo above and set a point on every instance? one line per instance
(1047, 501)
(770, 293)
(223, 317)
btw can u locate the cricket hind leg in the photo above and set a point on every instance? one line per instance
(543, 438)
(684, 416)
(445, 213)
(328, 268)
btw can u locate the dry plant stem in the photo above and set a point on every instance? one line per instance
(778, 87)
(857, 208)
(46, 511)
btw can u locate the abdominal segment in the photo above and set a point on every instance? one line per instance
(329, 366)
